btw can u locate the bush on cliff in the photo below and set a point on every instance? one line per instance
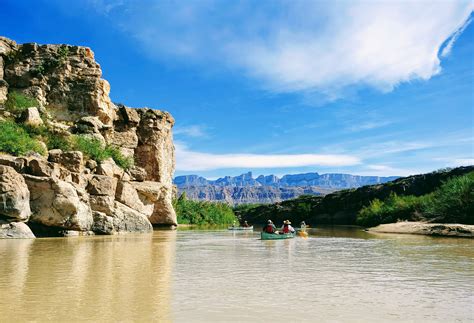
(95, 149)
(53, 140)
(16, 141)
(202, 212)
(18, 102)
(119, 158)
(58, 141)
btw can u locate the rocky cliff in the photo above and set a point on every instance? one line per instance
(269, 189)
(56, 191)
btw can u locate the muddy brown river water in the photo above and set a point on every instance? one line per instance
(338, 274)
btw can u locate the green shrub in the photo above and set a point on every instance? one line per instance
(57, 141)
(91, 147)
(38, 70)
(202, 212)
(394, 208)
(95, 149)
(63, 52)
(16, 141)
(18, 102)
(52, 139)
(35, 131)
(453, 202)
(118, 157)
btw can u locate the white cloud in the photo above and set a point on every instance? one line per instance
(390, 170)
(462, 162)
(188, 160)
(308, 46)
(190, 131)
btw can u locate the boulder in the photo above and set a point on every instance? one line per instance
(104, 204)
(31, 117)
(73, 161)
(56, 203)
(89, 125)
(123, 219)
(137, 174)
(79, 180)
(18, 163)
(3, 93)
(14, 195)
(128, 195)
(41, 167)
(160, 196)
(125, 139)
(128, 116)
(91, 164)
(102, 185)
(54, 155)
(15, 230)
(109, 168)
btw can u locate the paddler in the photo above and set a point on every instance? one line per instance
(270, 227)
(287, 228)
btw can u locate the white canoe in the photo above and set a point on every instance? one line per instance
(241, 228)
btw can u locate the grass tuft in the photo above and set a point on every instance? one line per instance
(16, 141)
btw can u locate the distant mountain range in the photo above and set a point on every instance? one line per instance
(269, 189)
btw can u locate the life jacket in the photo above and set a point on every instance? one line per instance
(269, 228)
(286, 228)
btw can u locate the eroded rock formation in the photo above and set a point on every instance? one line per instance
(65, 191)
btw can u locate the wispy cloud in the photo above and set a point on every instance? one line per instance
(369, 125)
(191, 131)
(319, 48)
(388, 170)
(449, 45)
(188, 160)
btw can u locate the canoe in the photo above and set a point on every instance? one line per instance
(273, 236)
(302, 234)
(241, 228)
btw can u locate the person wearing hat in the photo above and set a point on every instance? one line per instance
(245, 225)
(270, 227)
(287, 228)
(303, 226)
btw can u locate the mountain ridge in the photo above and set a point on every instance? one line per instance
(244, 188)
(328, 180)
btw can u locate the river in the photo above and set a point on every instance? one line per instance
(337, 274)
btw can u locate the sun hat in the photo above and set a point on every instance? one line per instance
(269, 221)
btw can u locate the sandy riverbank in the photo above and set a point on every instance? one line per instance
(433, 229)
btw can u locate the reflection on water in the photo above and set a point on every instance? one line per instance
(89, 278)
(338, 274)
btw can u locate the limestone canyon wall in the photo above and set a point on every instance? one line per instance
(64, 192)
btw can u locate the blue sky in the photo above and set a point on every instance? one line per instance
(276, 87)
